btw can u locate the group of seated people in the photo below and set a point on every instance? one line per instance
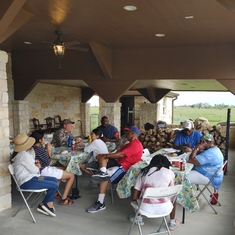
(33, 169)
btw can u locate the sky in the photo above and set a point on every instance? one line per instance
(189, 98)
(212, 98)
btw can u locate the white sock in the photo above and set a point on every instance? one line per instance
(101, 198)
(172, 221)
(103, 169)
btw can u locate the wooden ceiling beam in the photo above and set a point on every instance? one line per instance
(103, 56)
(153, 95)
(13, 19)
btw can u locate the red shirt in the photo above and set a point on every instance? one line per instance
(133, 151)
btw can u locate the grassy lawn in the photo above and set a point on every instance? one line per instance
(94, 117)
(213, 115)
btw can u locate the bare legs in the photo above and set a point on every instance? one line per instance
(70, 179)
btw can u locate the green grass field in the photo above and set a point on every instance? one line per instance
(94, 117)
(213, 115)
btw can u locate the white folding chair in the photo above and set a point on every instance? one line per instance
(152, 193)
(27, 202)
(206, 186)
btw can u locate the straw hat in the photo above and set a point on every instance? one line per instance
(22, 142)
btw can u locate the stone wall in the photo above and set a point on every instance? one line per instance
(5, 179)
(47, 100)
(144, 111)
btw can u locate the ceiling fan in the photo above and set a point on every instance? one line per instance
(61, 46)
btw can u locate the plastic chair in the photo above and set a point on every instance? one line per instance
(27, 202)
(206, 187)
(154, 193)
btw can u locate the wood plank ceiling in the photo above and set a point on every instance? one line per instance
(197, 52)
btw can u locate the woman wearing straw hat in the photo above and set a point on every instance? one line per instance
(28, 174)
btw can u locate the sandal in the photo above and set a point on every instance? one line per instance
(66, 201)
(57, 195)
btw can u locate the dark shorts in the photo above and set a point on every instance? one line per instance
(112, 162)
(92, 165)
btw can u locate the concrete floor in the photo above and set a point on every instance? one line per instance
(74, 219)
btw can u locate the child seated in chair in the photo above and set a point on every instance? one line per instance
(156, 174)
(97, 146)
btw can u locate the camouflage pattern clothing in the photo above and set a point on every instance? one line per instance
(60, 138)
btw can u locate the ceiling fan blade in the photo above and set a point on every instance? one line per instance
(72, 43)
(78, 49)
(229, 4)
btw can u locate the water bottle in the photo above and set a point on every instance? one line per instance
(74, 145)
(70, 141)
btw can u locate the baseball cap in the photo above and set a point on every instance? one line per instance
(132, 128)
(207, 137)
(188, 125)
(68, 121)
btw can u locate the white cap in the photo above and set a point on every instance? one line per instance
(188, 125)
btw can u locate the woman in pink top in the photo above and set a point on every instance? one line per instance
(156, 174)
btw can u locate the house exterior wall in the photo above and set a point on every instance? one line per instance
(5, 179)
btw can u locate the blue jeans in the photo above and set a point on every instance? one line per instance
(51, 183)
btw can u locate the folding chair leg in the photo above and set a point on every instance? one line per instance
(132, 225)
(208, 202)
(26, 204)
(111, 191)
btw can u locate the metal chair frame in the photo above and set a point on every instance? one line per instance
(28, 202)
(152, 193)
(206, 187)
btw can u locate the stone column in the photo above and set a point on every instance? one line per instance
(5, 179)
(148, 113)
(84, 121)
(20, 117)
(113, 112)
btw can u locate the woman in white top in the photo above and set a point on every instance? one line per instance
(97, 146)
(27, 173)
(156, 174)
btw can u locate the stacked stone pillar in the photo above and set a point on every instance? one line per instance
(5, 179)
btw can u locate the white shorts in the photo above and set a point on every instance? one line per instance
(196, 178)
(52, 171)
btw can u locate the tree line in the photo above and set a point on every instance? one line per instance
(207, 105)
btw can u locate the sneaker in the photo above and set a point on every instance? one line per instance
(174, 226)
(139, 218)
(49, 210)
(40, 209)
(101, 176)
(96, 207)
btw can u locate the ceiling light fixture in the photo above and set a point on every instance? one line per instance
(58, 47)
(188, 17)
(27, 43)
(160, 35)
(130, 8)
